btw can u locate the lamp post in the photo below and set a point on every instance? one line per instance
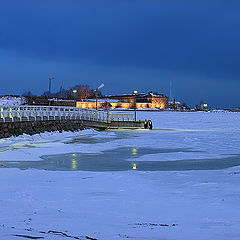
(75, 96)
(49, 89)
(135, 103)
(74, 93)
(96, 90)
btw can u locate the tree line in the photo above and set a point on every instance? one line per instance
(77, 92)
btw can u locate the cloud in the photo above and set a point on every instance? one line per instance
(125, 43)
(199, 37)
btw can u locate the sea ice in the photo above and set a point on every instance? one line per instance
(197, 204)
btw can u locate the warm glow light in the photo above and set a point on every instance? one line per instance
(74, 164)
(126, 104)
(134, 167)
(134, 151)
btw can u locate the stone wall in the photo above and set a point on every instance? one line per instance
(9, 129)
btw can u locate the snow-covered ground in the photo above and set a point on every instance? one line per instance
(12, 101)
(133, 204)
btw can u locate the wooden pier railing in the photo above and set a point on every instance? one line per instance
(42, 113)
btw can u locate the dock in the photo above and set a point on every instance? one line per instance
(16, 120)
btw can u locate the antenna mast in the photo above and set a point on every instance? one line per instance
(170, 91)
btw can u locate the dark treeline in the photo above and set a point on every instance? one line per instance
(77, 92)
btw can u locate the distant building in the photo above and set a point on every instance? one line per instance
(103, 103)
(127, 101)
(51, 102)
(174, 105)
(203, 107)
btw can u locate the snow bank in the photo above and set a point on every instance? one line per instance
(12, 101)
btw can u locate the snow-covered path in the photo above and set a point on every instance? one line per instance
(199, 204)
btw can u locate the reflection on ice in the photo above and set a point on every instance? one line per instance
(134, 167)
(134, 152)
(124, 159)
(74, 164)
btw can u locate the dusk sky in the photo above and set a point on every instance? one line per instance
(126, 44)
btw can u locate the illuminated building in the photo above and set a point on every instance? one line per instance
(126, 101)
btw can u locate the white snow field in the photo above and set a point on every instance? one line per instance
(177, 181)
(12, 101)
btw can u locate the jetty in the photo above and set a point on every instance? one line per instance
(16, 120)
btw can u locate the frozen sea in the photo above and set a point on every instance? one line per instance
(177, 181)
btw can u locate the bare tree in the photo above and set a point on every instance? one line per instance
(81, 92)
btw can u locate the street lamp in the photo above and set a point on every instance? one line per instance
(135, 105)
(74, 94)
(96, 90)
(49, 90)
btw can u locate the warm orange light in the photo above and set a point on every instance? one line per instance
(154, 103)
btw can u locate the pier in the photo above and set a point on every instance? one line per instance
(16, 120)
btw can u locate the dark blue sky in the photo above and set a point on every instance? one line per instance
(128, 45)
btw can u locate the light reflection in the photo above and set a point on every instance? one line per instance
(134, 166)
(74, 164)
(135, 151)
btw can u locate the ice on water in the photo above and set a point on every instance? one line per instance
(200, 204)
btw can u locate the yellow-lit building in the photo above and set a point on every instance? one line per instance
(103, 103)
(142, 101)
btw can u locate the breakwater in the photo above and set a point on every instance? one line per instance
(8, 129)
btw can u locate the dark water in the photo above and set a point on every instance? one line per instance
(122, 159)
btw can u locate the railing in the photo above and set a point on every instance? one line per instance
(121, 117)
(40, 113)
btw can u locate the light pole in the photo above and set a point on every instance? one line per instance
(75, 96)
(96, 90)
(135, 105)
(49, 90)
(74, 93)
